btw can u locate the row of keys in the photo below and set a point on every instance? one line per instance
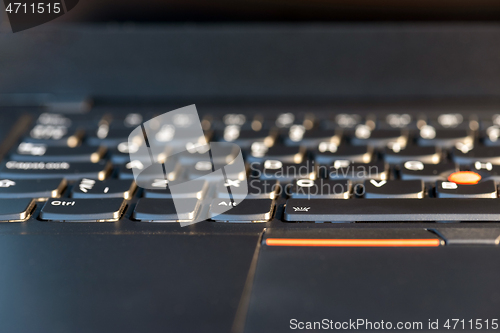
(146, 210)
(342, 120)
(62, 131)
(260, 210)
(257, 121)
(388, 189)
(343, 169)
(329, 152)
(326, 152)
(455, 186)
(42, 189)
(164, 210)
(269, 170)
(361, 136)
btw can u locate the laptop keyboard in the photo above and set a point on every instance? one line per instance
(301, 167)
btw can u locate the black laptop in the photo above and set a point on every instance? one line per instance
(250, 167)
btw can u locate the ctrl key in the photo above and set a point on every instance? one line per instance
(83, 210)
(16, 210)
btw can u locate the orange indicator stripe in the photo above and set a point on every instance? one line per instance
(353, 242)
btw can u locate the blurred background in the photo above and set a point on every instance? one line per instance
(284, 10)
(308, 48)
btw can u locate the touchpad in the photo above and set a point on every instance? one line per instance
(374, 288)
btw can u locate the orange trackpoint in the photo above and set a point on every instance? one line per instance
(464, 178)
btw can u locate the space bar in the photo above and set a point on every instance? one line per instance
(379, 210)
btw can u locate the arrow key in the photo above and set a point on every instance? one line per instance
(390, 189)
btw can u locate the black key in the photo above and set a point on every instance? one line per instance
(446, 138)
(484, 189)
(129, 120)
(397, 120)
(54, 119)
(12, 210)
(345, 120)
(257, 188)
(390, 189)
(274, 169)
(235, 119)
(83, 210)
(32, 188)
(477, 154)
(55, 135)
(192, 189)
(429, 155)
(249, 210)
(259, 152)
(426, 172)
(164, 210)
(327, 153)
(491, 136)
(287, 120)
(175, 136)
(111, 188)
(245, 138)
(343, 169)
(121, 153)
(204, 169)
(363, 136)
(171, 169)
(68, 170)
(486, 170)
(255, 122)
(67, 120)
(224, 153)
(40, 152)
(109, 137)
(299, 136)
(321, 188)
(382, 210)
(449, 120)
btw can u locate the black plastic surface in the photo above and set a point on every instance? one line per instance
(121, 283)
(342, 61)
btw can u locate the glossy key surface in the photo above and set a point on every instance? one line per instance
(40, 169)
(391, 189)
(111, 188)
(41, 152)
(32, 188)
(82, 210)
(382, 210)
(249, 210)
(12, 210)
(484, 189)
(164, 210)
